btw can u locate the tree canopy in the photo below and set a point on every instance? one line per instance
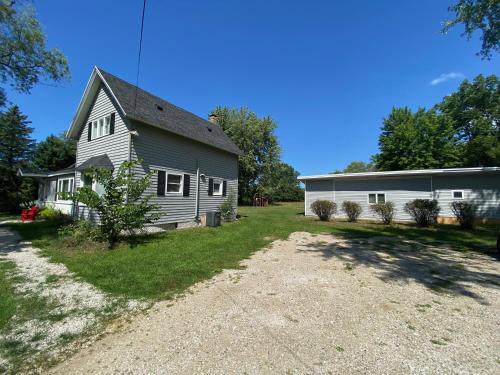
(357, 166)
(416, 140)
(463, 130)
(255, 137)
(478, 15)
(54, 153)
(475, 114)
(281, 184)
(16, 146)
(24, 57)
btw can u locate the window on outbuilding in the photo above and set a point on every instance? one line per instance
(374, 198)
(458, 194)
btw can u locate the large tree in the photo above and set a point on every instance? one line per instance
(475, 113)
(24, 57)
(16, 146)
(255, 137)
(417, 140)
(478, 15)
(357, 166)
(281, 184)
(53, 153)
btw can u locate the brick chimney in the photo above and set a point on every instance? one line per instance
(212, 118)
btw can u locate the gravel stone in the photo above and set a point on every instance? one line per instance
(297, 308)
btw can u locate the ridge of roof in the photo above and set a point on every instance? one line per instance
(155, 111)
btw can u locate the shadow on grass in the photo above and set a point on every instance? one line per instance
(438, 267)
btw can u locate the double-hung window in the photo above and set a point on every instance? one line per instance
(217, 188)
(101, 127)
(374, 198)
(174, 183)
(65, 185)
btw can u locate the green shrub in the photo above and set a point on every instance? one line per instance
(227, 209)
(352, 210)
(80, 232)
(384, 210)
(423, 211)
(465, 212)
(324, 209)
(122, 206)
(50, 213)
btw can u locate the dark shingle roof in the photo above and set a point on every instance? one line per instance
(100, 161)
(169, 117)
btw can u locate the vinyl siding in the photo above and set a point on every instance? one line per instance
(397, 190)
(158, 149)
(483, 190)
(116, 145)
(318, 190)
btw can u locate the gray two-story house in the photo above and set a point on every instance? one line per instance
(194, 163)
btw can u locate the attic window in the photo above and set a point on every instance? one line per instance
(159, 107)
(210, 130)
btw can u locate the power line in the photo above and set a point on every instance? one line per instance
(139, 56)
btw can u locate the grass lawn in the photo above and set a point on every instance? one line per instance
(8, 300)
(158, 267)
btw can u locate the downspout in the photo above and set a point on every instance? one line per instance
(197, 204)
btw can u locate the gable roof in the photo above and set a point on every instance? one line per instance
(414, 172)
(151, 110)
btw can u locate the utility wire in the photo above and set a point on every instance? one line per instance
(139, 56)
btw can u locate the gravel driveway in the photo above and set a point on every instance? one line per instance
(319, 304)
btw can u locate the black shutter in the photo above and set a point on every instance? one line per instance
(160, 187)
(224, 188)
(89, 136)
(112, 124)
(210, 186)
(187, 185)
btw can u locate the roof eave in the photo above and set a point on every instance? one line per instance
(420, 172)
(82, 109)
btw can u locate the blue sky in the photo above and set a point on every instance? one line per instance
(326, 71)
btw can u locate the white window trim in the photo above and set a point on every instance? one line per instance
(59, 186)
(181, 191)
(458, 191)
(376, 197)
(96, 128)
(218, 193)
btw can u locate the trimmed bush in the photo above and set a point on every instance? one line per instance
(50, 213)
(352, 210)
(465, 212)
(423, 211)
(384, 210)
(324, 209)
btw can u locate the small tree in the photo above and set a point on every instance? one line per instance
(324, 209)
(384, 210)
(122, 206)
(227, 208)
(465, 212)
(423, 211)
(352, 210)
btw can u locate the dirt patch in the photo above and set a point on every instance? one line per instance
(319, 304)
